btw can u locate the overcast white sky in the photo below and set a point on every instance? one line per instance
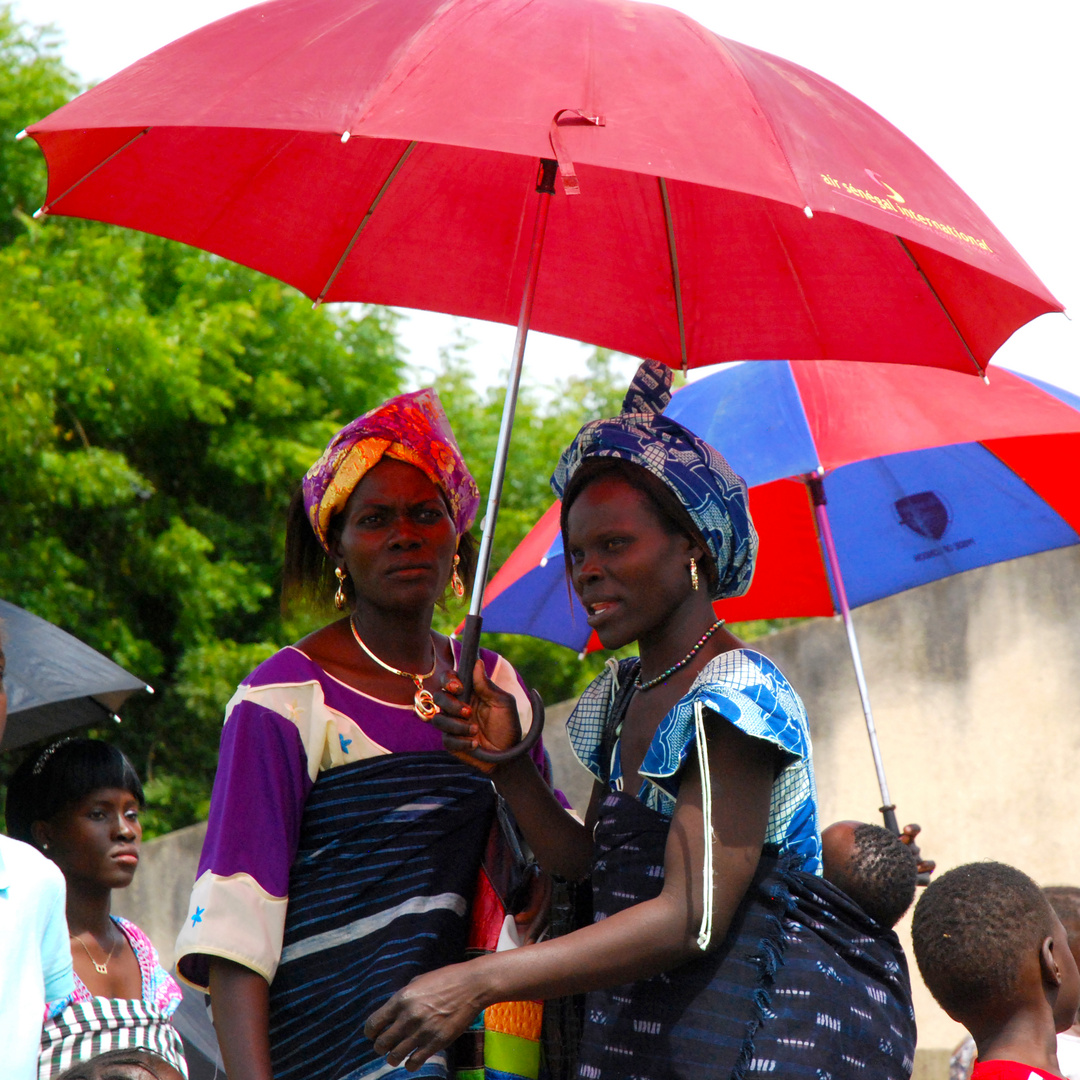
(988, 90)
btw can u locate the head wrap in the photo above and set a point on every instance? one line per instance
(412, 428)
(714, 497)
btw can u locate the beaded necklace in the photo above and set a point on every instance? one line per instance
(682, 663)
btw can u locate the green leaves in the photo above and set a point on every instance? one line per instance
(157, 407)
(33, 82)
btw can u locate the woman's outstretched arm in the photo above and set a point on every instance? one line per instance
(634, 944)
(241, 1003)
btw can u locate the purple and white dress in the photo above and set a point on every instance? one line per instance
(340, 860)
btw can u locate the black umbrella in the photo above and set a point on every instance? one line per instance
(55, 682)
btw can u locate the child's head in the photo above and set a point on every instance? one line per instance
(873, 866)
(1065, 900)
(988, 944)
(133, 1064)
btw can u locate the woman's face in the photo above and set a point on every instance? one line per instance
(96, 840)
(397, 538)
(631, 573)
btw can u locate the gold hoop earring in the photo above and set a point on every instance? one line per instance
(694, 582)
(455, 581)
(340, 599)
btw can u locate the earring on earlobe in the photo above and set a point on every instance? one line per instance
(694, 582)
(340, 597)
(455, 581)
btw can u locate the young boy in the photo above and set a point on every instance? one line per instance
(997, 960)
(874, 867)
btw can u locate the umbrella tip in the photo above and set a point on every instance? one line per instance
(986, 378)
(346, 136)
(38, 213)
(543, 562)
(581, 655)
(807, 211)
(21, 135)
(149, 688)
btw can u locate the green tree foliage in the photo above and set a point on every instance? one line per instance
(33, 82)
(544, 424)
(158, 406)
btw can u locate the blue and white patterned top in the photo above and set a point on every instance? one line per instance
(746, 688)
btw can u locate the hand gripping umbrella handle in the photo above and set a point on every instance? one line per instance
(470, 647)
(532, 736)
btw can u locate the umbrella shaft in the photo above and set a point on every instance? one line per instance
(545, 190)
(498, 470)
(817, 493)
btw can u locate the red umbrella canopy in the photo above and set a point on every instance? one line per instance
(732, 204)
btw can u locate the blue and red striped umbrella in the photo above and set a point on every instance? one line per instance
(865, 480)
(927, 473)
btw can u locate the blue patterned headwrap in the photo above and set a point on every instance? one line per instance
(714, 497)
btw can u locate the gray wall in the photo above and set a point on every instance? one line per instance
(975, 687)
(975, 684)
(157, 900)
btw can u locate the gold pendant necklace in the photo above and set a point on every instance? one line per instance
(423, 703)
(101, 969)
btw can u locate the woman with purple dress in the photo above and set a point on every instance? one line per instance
(344, 843)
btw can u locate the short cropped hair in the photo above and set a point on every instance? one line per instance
(666, 505)
(971, 930)
(61, 775)
(116, 1064)
(881, 874)
(1065, 900)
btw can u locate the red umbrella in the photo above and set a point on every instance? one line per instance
(385, 152)
(730, 205)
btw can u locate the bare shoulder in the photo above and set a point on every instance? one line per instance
(327, 645)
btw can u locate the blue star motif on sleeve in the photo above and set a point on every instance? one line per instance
(197, 917)
(345, 744)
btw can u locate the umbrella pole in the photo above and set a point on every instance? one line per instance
(470, 636)
(817, 494)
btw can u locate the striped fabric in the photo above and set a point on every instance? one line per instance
(805, 985)
(379, 892)
(94, 1026)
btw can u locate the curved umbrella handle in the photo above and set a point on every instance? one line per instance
(532, 736)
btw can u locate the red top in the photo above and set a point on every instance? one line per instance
(1009, 1070)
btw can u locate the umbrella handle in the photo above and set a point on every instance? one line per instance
(470, 649)
(522, 747)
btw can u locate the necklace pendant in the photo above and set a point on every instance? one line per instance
(424, 705)
(101, 969)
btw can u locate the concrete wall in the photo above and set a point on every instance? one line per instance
(157, 900)
(975, 684)
(975, 687)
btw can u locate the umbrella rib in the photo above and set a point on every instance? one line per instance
(933, 292)
(798, 283)
(367, 217)
(86, 176)
(675, 278)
